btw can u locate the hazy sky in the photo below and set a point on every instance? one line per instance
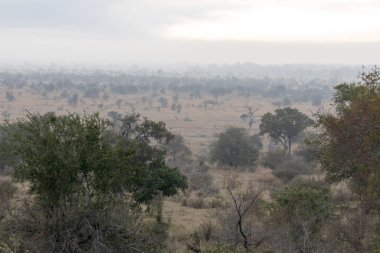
(195, 31)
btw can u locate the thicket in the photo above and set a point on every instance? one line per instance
(92, 186)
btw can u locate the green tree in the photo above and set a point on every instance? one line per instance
(284, 125)
(350, 140)
(234, 148)
(303, 209)
(87, 174)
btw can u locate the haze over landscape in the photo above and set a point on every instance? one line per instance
(189, 31)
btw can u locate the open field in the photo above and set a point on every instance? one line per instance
(197, 123)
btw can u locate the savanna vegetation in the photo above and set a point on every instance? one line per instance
(292, 168)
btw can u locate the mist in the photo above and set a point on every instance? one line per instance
(197, 32)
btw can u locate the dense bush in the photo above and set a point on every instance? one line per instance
(202, 182)
(234, 148)
(89, 180)
(274, 158)
(289, 169)
(7, 189)
(302, 210)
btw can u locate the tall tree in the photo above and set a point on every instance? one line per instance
(284, 125)
(351, 138)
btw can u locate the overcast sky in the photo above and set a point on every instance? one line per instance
(194, 31)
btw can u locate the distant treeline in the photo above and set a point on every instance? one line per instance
(296, 82)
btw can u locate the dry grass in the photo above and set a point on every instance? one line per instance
(198, 132)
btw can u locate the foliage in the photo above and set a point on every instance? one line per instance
(289, 169)
(234, 148)
(89, 177)
(114, 115)
(7, 189)
(257, 142)
(242, 222)
(273, 159)
(177, 149)
(353, 230)
(303, 208)
(309, 148)
(284, 125)
(350, 140)
(200, 181)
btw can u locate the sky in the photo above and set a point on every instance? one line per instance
(189, 31)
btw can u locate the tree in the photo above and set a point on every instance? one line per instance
(350, 139)
(257, 142)
(89, 178)
(177, 149)
(245, 205)
(284, 125)
(303, 209)
(234, 148)
(250, 116)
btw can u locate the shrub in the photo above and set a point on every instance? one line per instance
(234, 148)
(309, 148)
(197, 203)
(7, 189)
(199, 180)
(89, 181)
(290, 169)
(274, 158)
(302, 210)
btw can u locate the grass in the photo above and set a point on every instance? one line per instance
(198, 133)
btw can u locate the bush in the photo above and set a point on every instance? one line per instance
(177, 150)
(116, 227)
(234, 148)
(89, 181)
(197, 203)
(7, 189)
(217, 203)
(302, 210)
(274, 158)
(202, 182)
(309, 148)
(290, 169)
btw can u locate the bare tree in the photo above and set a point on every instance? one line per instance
(246, 230)
(249, 117)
